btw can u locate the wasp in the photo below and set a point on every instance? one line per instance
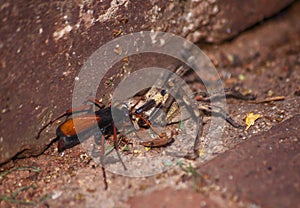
(68, 135)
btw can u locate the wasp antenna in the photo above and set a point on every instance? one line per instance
(67, 113)
(42, 129)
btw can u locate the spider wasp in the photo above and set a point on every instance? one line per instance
(68, 135)
(158, 99)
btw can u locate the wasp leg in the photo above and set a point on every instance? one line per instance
(103, 155)
(96, 102)
(220, 112)
(102, 162)
(116, 147)
(232, 93)
(229, 93)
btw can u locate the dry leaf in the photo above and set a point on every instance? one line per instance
(251, 118)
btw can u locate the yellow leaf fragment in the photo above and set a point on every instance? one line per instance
(251, 118)
(201, 152)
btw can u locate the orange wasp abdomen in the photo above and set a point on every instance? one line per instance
(77, 125)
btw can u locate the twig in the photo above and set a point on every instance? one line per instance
(277, 98)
